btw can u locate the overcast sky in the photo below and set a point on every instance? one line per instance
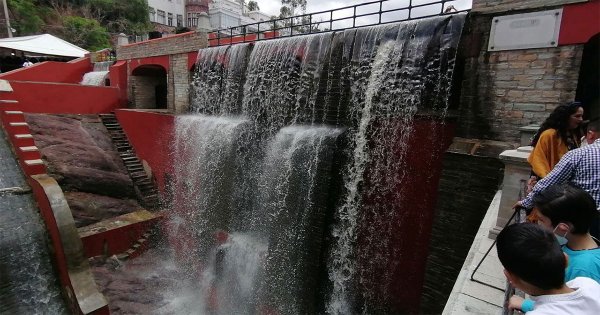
(271, 7)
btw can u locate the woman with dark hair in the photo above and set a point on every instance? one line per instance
(558, 134)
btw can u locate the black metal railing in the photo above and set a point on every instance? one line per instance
(373, 13)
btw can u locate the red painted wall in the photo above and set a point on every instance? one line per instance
(52, 71)
(579, 23)
(56, 98)
(151, 135)
(160, 60)
(118, 79)
(395, 225)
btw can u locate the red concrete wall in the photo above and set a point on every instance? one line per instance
(118, 79)
(52, 71)
(395, 225)
(57, 98)
(151, 135)
(579, 23)
(163, 61)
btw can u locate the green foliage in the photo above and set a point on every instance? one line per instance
(86, 33)
(25, 17)
(253, 6)
(130, 17)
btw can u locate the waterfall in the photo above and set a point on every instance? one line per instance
(302, 183)
(99, 74)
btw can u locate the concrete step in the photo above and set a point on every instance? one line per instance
(19, 127)
(9, 116)
(23, 140)
(29, 153)
(34, 167)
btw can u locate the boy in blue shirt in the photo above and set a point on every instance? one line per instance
(534, 262)
(568, 211)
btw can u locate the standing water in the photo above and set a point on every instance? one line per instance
(307, 182)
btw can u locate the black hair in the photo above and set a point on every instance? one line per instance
(532, 253)
(569, 204)
(559, 120)
(594, 124)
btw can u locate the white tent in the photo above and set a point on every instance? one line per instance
(43, 44)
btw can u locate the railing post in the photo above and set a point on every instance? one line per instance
(354, 18)
(516, 170)
(380, 9)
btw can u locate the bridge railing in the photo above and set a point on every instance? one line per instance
(358, 15)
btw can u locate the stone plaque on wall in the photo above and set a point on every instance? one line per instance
(528, 30)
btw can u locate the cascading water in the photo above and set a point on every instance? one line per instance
(305, 136)
(28, 284)
(99, 74)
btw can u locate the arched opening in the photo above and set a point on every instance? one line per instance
(587, 86)
(148, 87)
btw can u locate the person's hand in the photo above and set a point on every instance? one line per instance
(515, 302)
(519, 204)
(531, 183)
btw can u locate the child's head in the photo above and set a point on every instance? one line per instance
(566, 208)
(532, 259)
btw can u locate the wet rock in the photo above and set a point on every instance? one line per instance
(90, 208)
(80, 155)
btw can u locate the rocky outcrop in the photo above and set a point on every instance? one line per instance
(91, 208)
(80, 155)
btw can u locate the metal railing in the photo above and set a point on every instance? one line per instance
(519, 216)
(334, 20)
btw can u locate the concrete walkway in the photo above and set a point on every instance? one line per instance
(469, 297)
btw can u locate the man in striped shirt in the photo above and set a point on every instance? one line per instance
(580, 167)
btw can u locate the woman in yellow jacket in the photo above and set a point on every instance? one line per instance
(558, 134)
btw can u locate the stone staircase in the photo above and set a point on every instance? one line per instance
(144, 187)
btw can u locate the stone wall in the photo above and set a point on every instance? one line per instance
(502, 91)
(142, 91)
(180, 76)
(176, 44)
(489, 6)
(467, 186)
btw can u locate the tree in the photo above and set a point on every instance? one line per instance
(253, 6)
(25, 16)
(293, 5)
(86, 33)
(131, 16)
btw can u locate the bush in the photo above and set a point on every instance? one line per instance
(86, 33)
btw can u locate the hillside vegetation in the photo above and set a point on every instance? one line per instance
(85, 23)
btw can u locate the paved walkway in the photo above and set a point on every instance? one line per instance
(469, 297)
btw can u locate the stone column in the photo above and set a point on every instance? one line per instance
(516, 173)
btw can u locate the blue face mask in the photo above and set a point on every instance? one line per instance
(562, 240)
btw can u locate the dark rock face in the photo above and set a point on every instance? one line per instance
(91, 208)
(80, 156)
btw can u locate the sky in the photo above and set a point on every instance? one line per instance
(271, 7)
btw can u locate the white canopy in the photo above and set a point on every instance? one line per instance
(43, 44)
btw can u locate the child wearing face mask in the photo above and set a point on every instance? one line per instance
(568, 211)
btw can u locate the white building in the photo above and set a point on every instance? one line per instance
(168, 13)
(230, 13)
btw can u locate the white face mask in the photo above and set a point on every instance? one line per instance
(562, 240)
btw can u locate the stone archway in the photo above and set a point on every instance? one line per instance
(148, 87)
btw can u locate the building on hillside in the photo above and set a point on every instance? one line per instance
(231, 13)
(167, 15)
